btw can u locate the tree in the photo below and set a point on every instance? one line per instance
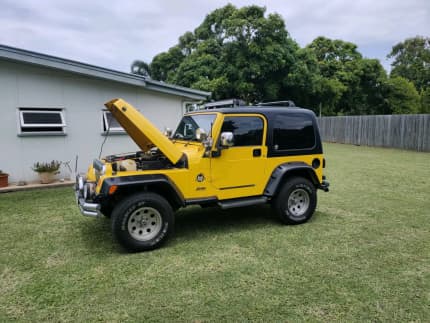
(365, 95)
(307, 86)
(401, 96)
(412, 61)
(244, 53)
(233, 53)
(141, 68)
(165, 65)
(303, 80)
(342, 81)
(425, 101)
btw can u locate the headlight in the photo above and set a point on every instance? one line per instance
(80, 183)
(99, 167)
(89, 191)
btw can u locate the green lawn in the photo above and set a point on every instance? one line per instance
(365, 255)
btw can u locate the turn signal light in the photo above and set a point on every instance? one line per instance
(112, 189)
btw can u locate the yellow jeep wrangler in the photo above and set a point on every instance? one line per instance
(223, 157)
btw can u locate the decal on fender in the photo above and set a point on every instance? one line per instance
(200, 178)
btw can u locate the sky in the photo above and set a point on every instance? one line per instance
(113, 34)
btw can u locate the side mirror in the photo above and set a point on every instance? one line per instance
(227, 139)
(168, 132)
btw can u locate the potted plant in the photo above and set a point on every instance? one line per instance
(4, 179)
(47, 170)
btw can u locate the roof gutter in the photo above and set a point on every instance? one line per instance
(177, 90)
(33, 58)
(20, 55)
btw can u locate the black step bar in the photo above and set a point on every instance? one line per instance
(228, 204)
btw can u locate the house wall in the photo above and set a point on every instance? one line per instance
(82, 98)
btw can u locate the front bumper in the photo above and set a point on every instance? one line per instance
(87, 207)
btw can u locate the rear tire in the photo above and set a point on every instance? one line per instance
(142, 221)
(296, 201)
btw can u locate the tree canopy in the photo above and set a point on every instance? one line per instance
(401, 96)
(248, 54)
(333, 75)
(233, 53)
(141, 68)
(412, 61)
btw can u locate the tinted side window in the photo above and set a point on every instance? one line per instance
(247, 131)
(293, 132)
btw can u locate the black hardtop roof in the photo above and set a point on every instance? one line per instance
(264, 110)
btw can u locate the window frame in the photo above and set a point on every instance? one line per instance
(193, 116)
(186, 104)
(22, 125)
(105, 125)
(258, 116)
(286, 150)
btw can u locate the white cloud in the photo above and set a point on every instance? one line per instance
(113, 34)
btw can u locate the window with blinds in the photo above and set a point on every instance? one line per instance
(41, 121)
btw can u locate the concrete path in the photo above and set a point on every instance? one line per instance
(31, 186)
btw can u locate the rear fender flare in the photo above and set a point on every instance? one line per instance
(280, 173)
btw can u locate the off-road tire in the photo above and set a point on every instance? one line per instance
(296, 201)
(142, 221)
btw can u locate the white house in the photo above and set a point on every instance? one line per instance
(53, 109)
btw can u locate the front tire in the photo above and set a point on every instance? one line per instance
(142, 222)
(106, 210)
(296, 202)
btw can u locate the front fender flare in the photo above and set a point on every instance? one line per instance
(137, 181)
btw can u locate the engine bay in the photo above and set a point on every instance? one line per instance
(149, 160)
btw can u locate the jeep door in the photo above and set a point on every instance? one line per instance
(240, 170)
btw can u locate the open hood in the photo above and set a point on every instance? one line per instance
(141, 130)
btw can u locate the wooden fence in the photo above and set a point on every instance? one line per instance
(396, 131)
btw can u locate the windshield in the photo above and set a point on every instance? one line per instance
(189, 124)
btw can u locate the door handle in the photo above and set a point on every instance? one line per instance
(256, 152)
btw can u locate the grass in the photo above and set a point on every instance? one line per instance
(365, 255)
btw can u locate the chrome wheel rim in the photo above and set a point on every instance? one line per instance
(144, 223)
(298, 202)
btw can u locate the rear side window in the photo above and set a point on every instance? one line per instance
(247, 131)
(292, 132)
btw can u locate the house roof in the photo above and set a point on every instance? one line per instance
(48, 61)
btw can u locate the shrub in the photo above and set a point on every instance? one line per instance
(50, 167)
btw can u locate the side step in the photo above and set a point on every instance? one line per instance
(228, 204)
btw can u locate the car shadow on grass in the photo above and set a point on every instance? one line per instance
(194, 220)
(191, 224)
